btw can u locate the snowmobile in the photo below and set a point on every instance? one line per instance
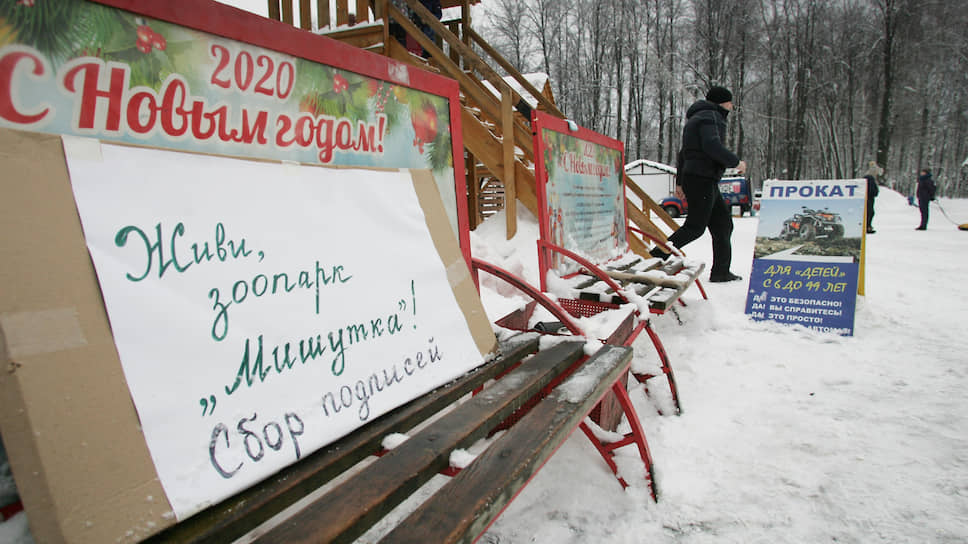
(809, 224)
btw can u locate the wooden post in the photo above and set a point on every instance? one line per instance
(322, 13)
(274, 10)
(287, 11)
(342, 12)
(380, 11)
(465, 20)
(510, 192)
(455, 29)
(305, 15)
(474, 217)
(465, 16)
(362, 11)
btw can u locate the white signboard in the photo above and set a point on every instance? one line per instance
(261, 310)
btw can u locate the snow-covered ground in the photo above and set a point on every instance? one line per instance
(786, 435)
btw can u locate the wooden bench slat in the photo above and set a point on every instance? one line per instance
(465, 506)
(349, 509)
(237, 515)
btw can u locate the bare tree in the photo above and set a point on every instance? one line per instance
(891, 13)
(823, 86)
(509, 33)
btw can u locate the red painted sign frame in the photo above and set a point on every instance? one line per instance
(541, 122)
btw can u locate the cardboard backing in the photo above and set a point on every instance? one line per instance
(70, 428)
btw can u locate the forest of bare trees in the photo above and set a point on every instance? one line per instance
(822, 86)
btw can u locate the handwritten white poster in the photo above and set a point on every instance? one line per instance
(261, 310)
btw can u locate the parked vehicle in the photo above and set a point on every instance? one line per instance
(810, 224)
(735, 190)
(674, 206)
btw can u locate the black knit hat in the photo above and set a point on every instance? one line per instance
(719, 95)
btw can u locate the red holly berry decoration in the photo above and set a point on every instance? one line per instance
(158, 41)
(148, 39)
(340, 84)
(144, 33)
(28, 3)
(424, 122)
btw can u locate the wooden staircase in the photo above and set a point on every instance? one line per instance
(496, 129)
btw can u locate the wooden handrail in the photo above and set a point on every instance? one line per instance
(641, 220)
(630, 183)
(483, 97)
(549, 106)
(648, 203)
(473, 89)
(469, 56)
(461, 64)
(523, 140)
(510, 186)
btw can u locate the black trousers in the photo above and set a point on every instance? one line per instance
(706, 210)
(923, 206)
(870, 213)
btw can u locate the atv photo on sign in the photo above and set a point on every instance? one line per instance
(809, 224)
(809, 228)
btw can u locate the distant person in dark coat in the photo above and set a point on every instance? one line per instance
(871, 195)
(396, 30)
(926, 190)
(700, 164)
(433, 6)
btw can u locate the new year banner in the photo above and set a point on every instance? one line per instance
(88, 69)
(581, 191)
(807, 255)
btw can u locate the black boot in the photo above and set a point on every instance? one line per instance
(723, 277)
(658, 253)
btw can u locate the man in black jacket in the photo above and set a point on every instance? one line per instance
(700, 164)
